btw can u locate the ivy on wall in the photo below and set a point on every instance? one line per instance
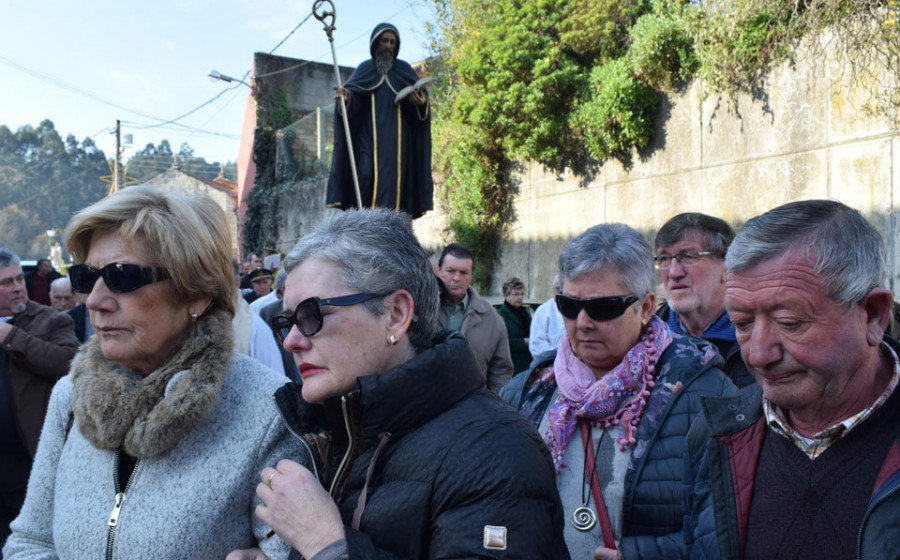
(260, 221)
(570, 84)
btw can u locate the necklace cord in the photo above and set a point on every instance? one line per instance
(591, 466)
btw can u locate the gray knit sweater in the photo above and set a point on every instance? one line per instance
(191, 497)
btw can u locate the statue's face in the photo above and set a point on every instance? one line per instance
(388, 40)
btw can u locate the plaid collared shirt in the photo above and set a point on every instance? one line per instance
(816, 445)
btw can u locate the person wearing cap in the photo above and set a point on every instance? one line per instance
(261, 282)
(391, 139)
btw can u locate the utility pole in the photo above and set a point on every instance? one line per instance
(117, 179)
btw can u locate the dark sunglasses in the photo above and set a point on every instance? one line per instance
(598, 309)
(308, 314)
(119, 277)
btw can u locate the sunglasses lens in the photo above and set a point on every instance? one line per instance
(598, 309)
(281, 325)
(308, 317)
(123, 278)
(83, 277)
(568, 307)
(603, 309)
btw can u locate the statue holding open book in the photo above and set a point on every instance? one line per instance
(389, 116)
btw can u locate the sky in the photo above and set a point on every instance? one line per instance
(85, 64)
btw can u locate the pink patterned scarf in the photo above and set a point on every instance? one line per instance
(618, 397)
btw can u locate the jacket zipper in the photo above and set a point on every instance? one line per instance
(312, 458)
(865, 520)
(113, 522)
(346, 457)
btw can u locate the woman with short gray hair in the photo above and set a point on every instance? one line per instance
(615, 402)
(421, 461)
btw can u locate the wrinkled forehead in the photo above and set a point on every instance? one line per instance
(10, 271)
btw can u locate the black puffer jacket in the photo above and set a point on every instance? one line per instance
(454, 460)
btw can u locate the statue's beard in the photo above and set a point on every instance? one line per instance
(384, 60)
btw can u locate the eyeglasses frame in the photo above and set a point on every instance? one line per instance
(340, 301)
(665, 261)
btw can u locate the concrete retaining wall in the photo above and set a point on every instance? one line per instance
(809, 137)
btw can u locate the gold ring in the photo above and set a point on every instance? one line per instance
(269, 480)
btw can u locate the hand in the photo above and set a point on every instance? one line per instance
(247, 554)
(338, 93)
(297, 508)
(603, 553)
(417, 98)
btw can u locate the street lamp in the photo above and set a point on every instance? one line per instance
(216, 75)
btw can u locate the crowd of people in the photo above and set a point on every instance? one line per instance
(753, 413)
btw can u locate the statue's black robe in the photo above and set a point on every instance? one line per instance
(392, 143)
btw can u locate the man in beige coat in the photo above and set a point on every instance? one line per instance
(462, 309)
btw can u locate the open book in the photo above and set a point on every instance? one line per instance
(401, 95)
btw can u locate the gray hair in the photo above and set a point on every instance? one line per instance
(376, 252)
(280, 279)
(615, 245)
(8, 258)
(63, 283)
(716, 234)
(513, 283)
(847, 250)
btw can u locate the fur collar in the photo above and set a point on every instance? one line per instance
(145, 416)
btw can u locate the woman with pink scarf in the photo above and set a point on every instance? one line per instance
(616, 401)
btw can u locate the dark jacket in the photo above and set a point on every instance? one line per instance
(79, 314)
(44, 297)
(652, 514)
(39, 349)
(454, 460)
(734, 366)
(724, 448)
(518, 328)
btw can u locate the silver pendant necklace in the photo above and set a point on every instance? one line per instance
(584, 518)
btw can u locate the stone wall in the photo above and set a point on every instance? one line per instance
(807, 136)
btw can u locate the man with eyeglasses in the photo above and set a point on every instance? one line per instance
(36, 345)
(690, 257)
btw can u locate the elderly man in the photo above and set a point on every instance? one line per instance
(62, 298)
(260, 282)
(690, 257)
(391, 134)
(36, 345)
(462, 309)
(251, 263)
(807, 463)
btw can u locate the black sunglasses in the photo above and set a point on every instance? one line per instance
(308, 314)
(598, 309)
(119, 277)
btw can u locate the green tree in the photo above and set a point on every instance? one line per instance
(44, 179)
